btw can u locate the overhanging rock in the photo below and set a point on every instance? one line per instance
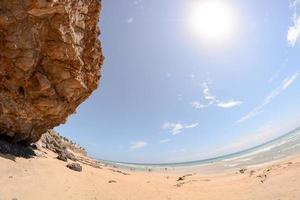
(50, 59)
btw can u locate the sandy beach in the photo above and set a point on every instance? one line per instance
(178, 100)
(45, 177)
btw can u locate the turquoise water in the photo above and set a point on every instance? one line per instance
(282, 147)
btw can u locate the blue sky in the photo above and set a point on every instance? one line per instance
(170, 95)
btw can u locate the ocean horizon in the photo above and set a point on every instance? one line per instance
(273, 150)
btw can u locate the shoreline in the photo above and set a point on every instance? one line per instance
(52, 180)
(206, 168)
(47, 173)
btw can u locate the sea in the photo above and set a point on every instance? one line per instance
(275, 150)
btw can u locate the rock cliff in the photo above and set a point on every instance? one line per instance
(50, 59)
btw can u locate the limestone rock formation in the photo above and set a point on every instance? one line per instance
(50, 59)
(53, 141)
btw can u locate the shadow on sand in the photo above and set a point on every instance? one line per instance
(12, 151)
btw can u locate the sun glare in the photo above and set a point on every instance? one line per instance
(212, 20)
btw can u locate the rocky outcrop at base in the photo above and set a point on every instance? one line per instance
(75, 167)
(53, 141)
(15, 150)
(50, 59)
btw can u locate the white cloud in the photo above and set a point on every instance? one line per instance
(207, 94)
(229, 104)
(164, 141)
(176, 128)
(197, 105)
(130, 20)
(213, 100)
(287, 82)
(138, 145)
(294, 30)
(256, 111)
(192, 125)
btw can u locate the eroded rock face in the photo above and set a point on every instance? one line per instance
(50, 60)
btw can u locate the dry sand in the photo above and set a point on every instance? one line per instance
(46, 178)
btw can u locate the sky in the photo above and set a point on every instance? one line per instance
(182, 86)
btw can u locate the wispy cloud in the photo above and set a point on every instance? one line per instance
(138, 145)
(182, 150)
(294, 30)
(176, 128)
(278, 72)
(207, 95)
(229, 104)
(263, 134)
(130, 20)
(197, 105)
(192, 125)
(212, 100)
(257, 136)
(164, 141)
(287, 82)
(136, 2)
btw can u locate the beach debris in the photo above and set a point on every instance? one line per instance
(242, 171)
(75, 166)
(112, 181)
(183, 183)
(118, 171)
(262, 177)
(182, 178)
(252, 172)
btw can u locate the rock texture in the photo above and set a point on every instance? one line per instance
(75, 166)
(62, 146)
(50, 59)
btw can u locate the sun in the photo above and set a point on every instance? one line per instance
(212, 20)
